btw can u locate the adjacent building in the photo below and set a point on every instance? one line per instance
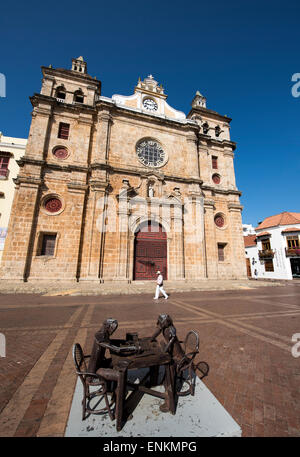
(248, 229)
(274, 252)
(11, 150)
(116, 188)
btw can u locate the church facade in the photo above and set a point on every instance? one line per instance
(116, 188)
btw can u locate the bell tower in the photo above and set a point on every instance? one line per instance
(199, 101)
(79, 65)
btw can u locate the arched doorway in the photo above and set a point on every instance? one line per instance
(150, 251)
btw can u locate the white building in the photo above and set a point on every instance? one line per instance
(248, 229)
(275, 250)
(11, 150)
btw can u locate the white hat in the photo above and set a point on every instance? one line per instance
(158, 272)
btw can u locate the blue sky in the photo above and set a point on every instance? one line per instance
(241, 55)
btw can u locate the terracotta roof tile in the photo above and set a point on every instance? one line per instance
(292, 229)
(249, 241)
(263, 234)
(285, 218)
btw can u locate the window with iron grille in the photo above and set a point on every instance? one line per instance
(4, 161)
(292, 241)
(266, 245)
(63, 130)
(221, 252)
(48, 244)
(269, 265)
(214, 161)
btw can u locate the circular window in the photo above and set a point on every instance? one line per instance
(60, 153)
(150, 153)
(216, 178)
(53, 205)
(219, 220)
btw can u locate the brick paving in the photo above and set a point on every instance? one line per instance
(245, 336)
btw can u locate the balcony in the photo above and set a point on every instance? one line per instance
(292, 252)
(266, 254)
(61, 100)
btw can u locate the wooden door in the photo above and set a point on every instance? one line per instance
(248, 268)
(150, 253)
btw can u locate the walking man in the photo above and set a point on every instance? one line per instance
(159, 286)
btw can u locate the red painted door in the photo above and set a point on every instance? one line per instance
(150, 253)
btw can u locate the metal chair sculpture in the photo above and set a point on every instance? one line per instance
(185, 367)
(92, 380)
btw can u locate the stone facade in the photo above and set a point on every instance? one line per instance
(80, 199)
(11, 150)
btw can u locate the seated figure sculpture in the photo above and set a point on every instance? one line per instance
(103, 335)
(182, 358)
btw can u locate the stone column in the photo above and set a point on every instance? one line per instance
(94, 238)
(18, 251)
(178, 243)
(193, 234)
(238, 263)
(123, 248)
(130, 256)
(229, 166)
(101, 148)
(77, 202)
(192, 163)
(210, 239)
(39, 131)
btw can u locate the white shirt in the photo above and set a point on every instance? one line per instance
(160, 280)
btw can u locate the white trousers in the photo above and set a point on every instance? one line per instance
(160, 289)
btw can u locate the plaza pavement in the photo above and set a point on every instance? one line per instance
(245, 337)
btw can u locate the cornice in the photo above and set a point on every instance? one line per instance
(77, 187)
(69, 167)
(219, 143)
(30, 161)
(54, 103)
(138, 172)
(222, 191)
(27, 180)
(97, 185)
(150, 93)
(235, 207)
(187, 124)
(209, 203)
(209, 112)
(70, 74)
(53, 166)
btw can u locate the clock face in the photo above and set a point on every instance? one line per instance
(150, 104)
(150, 153)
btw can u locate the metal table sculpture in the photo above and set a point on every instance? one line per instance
(111, 373)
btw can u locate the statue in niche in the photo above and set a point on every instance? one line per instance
(150, 190)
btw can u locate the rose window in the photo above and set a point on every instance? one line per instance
(150, 153)
(219, 220)
(53, 205)
(216, 179)
(60, 153)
